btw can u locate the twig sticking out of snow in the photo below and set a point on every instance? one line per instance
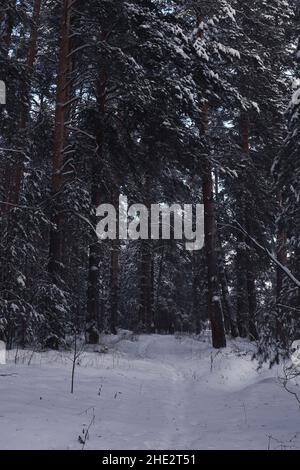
(86, 432)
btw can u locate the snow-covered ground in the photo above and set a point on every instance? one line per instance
(150, 392)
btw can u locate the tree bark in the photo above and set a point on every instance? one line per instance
(281, 248)
(210, 236)
(214, 300)
(146, 287)
(158, 284)
(281, 256)
(229, 316)
(242, 312)
(230, 319)
(146, 319)
(55, 266)
(114, 273)
(196, 286)
(114, 294)
(251, 303)
(93, 302)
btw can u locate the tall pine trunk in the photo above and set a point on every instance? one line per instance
(114, 273)
(55, 266)
(114, 288)
(281, 248)
(251, 288)
(210, 236)
(242, 311)
(250, 275)
(230, 319)
(281, 254)
(158, 284)
(146, 322)
(196, 270)
(146, 273)
(97, 194)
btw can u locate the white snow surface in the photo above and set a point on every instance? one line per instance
(146, 392)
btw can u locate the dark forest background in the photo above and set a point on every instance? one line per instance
(176, 101)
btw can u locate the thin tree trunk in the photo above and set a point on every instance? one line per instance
(251, 290)
(246, 260)
(93, 301)
(31, 57)
(34, 34)
(55, 266)
(230, 317)
(114, 274)
(214, 300)
(215, 310)
(196, 267)
(252, 304)
(281, 256)
(210, 237)
(158, 285)
(146, 321)
(114, 300)
(146, 287)
(242, 311)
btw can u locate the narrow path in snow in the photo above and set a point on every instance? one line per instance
(159, 392)
(170, 367)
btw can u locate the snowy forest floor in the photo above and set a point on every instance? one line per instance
(146, 392)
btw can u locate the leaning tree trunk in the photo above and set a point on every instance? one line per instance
(55, 266)
(210, 238)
